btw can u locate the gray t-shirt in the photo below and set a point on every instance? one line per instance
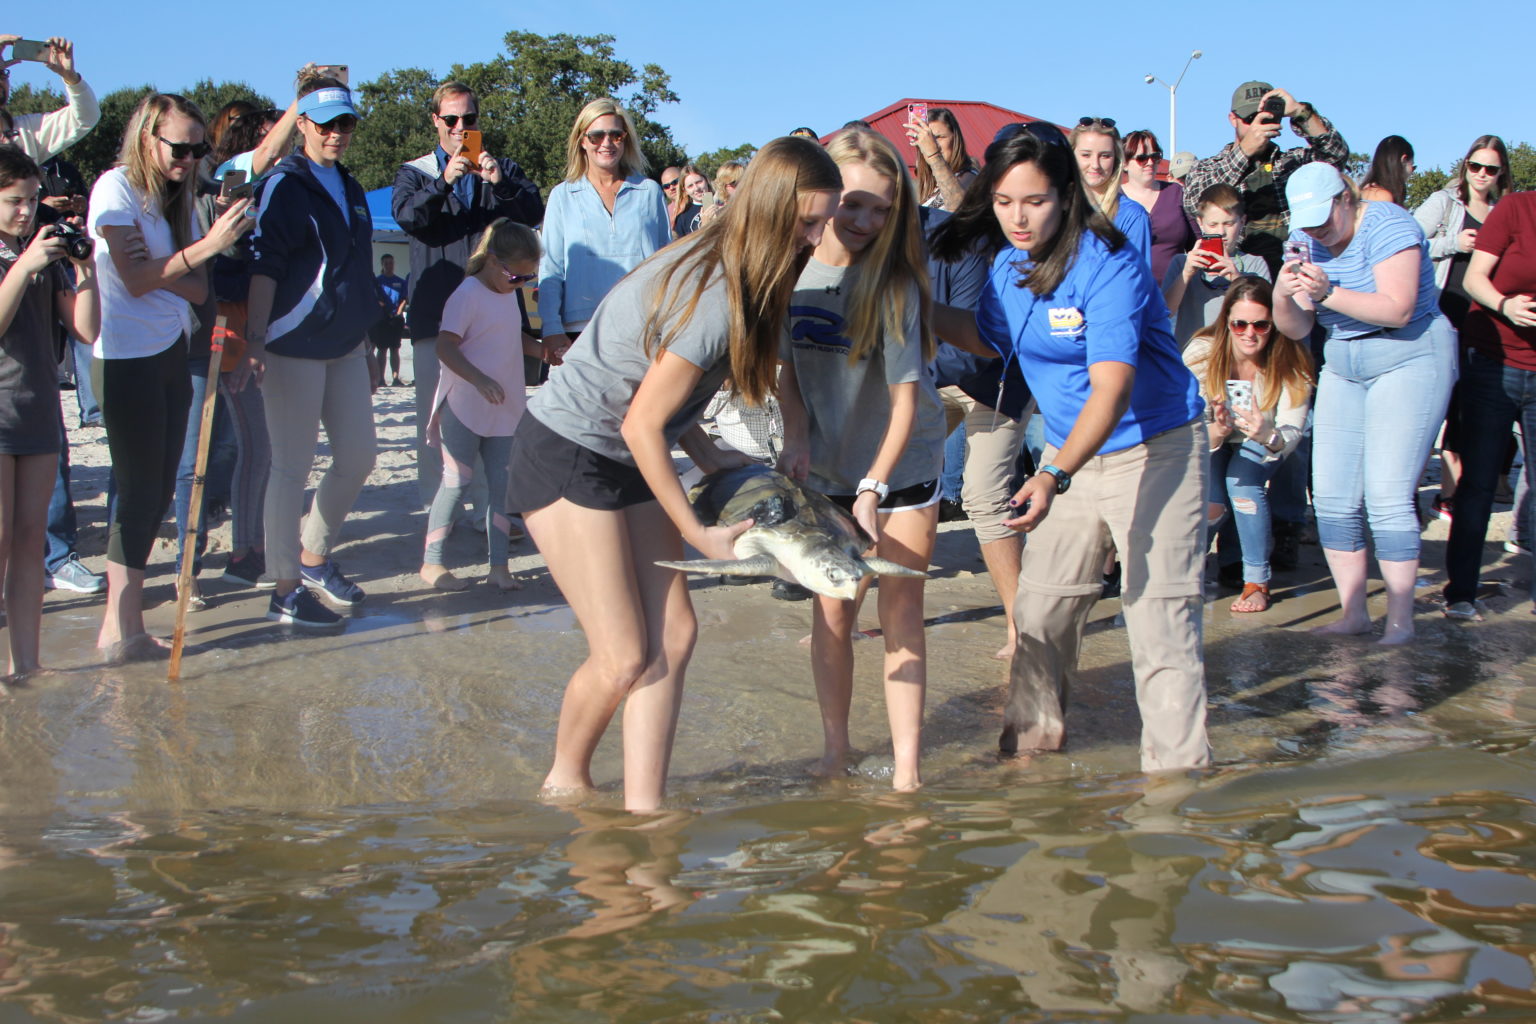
(850, 406)
(1204, 294)
(588, 396)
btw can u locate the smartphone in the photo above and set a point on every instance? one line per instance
(1240, 394)
(471, 149)
(1274, 105)
(1294, 252)
(1216, 245)
(336, 71)
(234, 186)
(917, 112)
(28, 49)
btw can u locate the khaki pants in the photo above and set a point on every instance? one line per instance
(1149, 502)
(992, 443)
(300, 396)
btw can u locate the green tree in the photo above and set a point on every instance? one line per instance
(1357, 165)
(98, 151)
(1425, 184)
(710, 162)
(395, 127)
(27, 100)
(1522, 170)
(211, 97)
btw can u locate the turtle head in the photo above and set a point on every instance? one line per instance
(833, 573)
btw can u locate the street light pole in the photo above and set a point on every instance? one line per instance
(1173, 101)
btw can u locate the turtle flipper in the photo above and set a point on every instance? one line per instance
(757, 565)
(886, 567)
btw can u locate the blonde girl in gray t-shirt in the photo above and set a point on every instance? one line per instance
(857, 359)
(592, 465)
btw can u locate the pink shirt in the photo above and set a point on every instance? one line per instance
(491, 328)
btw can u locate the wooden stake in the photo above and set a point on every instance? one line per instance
(195, 509)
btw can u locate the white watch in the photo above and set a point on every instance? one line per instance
(881, 488)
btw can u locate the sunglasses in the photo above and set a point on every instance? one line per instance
(345, 124)
(12, 135)
(182, 150)
(1147, 158)
(519, 279)
(1477, 168)
(452, 120)
(1085, 122)
(1262, 326)
(669, 184)
(612, 135)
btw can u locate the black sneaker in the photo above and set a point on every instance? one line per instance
(329, 581)
(1286, 554)
(300, 607)
(248, 569)
(951, 511)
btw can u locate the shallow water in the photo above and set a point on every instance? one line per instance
(344, 828)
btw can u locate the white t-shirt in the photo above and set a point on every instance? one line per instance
(133, 326)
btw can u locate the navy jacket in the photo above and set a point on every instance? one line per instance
(443, 230)
(326, 299)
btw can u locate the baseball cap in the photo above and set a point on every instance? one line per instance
(327, 104)
(1182, 163)
(1310, 191)
(1245, 98)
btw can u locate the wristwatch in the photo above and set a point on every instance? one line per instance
(1063, 479)
(880, 487)
(1304, 114)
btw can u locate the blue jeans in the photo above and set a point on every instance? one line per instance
(1288, 489)
(1238, 478)
(62, 530)
(1493, 397)
(1380, 401)
(85, 388)
(221, 452)
(954, 464)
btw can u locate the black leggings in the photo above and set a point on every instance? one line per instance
(144, 406)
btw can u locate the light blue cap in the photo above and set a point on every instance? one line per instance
(1309, 192)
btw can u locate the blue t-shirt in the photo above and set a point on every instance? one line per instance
(1385, 230)
(393, 288)
(1106, 309)
(330, 177)
(1135, 225)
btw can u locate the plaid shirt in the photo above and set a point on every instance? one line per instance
(1261, 180)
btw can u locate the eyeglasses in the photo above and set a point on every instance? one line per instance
(452, 120)
(1087, 122)
(1147, 158)
(1240, 326)
(1477, 168)
(344, 124)
(614, 135)
(182, 150)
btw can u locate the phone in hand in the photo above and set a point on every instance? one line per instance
(1216, 245)
(1240, 395)
(336, 71)
(28, 49)
(917, 112)
(471, 149)
(1295, 251)
(234, 186)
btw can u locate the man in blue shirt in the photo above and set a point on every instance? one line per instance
(386, 334)
(443, 201)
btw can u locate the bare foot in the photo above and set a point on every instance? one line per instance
(1005, 652)
(439, 577)
(835, 764)
(565, 796)
(141, 647)
(1344, 627)
(1397, 635)
(1015, 741)
(858, 634)
(503, 580)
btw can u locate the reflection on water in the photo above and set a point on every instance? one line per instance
(1369, 889)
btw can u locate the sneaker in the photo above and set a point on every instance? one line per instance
(1514, 547)
(1463, 610)
(73, 575)
(329, 581)
(300, 607)
(951, 511)
(1442, 508)
(784, 590)
(247, 570)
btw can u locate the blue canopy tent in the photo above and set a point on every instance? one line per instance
(387, 236)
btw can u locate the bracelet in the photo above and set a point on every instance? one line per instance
(188, 263)
(1274, 435)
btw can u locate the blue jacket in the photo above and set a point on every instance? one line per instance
(326, 299)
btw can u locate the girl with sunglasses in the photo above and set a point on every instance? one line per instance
(592, 458)
(1095, 142)
(311, 302)
(1163, 201)
(1074, 305)
(601, 221)
(480, 395)
(150, 258)
(860, 351)
(1257, 386)
(1389, 362)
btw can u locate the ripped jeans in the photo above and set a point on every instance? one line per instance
(1239, 479)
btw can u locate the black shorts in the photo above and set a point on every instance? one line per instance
(387, 332)
(547, 467)
(917, 496)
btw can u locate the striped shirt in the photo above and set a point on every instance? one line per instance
(1385, 230)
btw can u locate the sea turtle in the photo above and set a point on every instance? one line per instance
(797, 534)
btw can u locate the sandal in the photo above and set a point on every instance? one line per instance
(1250, 589)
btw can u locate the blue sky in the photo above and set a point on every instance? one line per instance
(749, 71)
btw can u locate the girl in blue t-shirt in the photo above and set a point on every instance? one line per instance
(1075, 305)
(1388, 367)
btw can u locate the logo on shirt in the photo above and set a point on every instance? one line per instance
(1066, 321)
(813, 327)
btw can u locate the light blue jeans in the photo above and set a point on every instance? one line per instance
(1380, 401)
(1238, 480)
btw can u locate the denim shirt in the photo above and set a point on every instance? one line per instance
(587, 249)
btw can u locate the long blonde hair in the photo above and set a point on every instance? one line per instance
(894, 265)
(1109, 202)
(1283, 363)
(752, 248)
(506, 240)
(171, 200)
(631, 163)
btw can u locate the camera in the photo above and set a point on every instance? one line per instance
(76, 243)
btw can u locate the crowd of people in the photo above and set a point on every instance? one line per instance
(1139, 358)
